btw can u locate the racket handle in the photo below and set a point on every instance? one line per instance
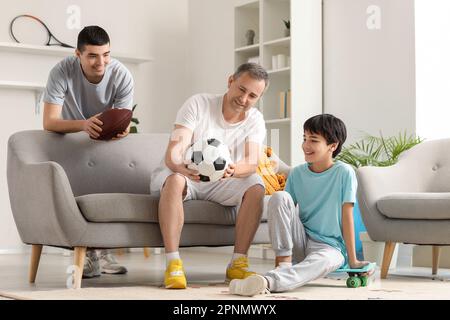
(67, 46)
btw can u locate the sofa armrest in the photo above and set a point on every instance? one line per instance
(43, 204)
(373, 184)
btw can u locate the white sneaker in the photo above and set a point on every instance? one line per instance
(91, 266)
(249, 286)
(109, 264)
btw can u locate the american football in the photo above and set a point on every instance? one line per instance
(209, 157)
(115, 121)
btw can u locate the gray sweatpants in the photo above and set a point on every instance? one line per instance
(310, 259)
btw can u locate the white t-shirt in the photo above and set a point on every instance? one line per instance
(202, 113)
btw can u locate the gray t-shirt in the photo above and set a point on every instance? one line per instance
(68, 87)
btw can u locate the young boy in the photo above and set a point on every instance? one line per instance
(320, 238)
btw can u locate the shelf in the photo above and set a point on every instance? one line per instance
(38, 89)
(22, 85)
(283, 71)
(304, 47)
(61, 52)
(279, 121)
(248, 4)
(254, 47)
(281, 42)
(246, 18)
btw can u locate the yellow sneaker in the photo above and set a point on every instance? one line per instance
(174, 277)
(238, 269)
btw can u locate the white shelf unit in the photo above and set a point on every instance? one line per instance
(20, 85)
(54, 51)
(279, 121)
(301, 75)
(38, 89)
(249, 49)
(246, 18)
(279, 42)
(285, 71)
(62, 52)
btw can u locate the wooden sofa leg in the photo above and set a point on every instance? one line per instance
(389, 248)
(78, 261)
(36, 250)
(436, 256)
(146, 252)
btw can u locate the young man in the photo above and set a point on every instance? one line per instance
(79, 88)
(320, 239)
(231, 118)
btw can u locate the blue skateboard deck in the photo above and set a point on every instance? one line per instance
(364, 269)
(358, 277)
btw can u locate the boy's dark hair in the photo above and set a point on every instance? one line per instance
(92, 35)
(329, 127)
(255, 71)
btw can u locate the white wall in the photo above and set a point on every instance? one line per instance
(369, 74)
(140, 27)
(433, 68)
(211, 46)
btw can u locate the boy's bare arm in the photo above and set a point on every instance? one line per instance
(348, 232)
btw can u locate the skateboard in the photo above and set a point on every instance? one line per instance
(358, 277)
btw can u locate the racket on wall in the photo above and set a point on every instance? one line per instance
(28, 29)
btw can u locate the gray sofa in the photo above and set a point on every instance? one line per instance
(408, 202)
(73, 192)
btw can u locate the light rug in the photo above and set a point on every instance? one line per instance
(404, 288)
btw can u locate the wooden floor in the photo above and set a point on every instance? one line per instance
(201, 267)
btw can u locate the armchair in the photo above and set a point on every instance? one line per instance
(408, 202)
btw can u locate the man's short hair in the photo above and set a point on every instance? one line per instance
(329, 127)
(254, 70)
(92, 35)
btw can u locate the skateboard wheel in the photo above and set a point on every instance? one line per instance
(364, 280)
(353, 282)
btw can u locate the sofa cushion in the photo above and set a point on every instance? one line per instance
(123, 207)
(429, 206)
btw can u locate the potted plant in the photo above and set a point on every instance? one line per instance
(135, 121)
(377, 151)
(380, 152)
(287, 31)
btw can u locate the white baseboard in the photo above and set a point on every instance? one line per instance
(261, 251)
(20, 249)
(216, 250)
(13, 251)
(26, 249)
(422, 257)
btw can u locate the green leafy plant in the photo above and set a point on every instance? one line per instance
(135, 121)
(287, 23)
(377, 151)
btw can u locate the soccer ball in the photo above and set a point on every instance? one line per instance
(209, 157)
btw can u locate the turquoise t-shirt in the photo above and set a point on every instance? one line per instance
(320, 197)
